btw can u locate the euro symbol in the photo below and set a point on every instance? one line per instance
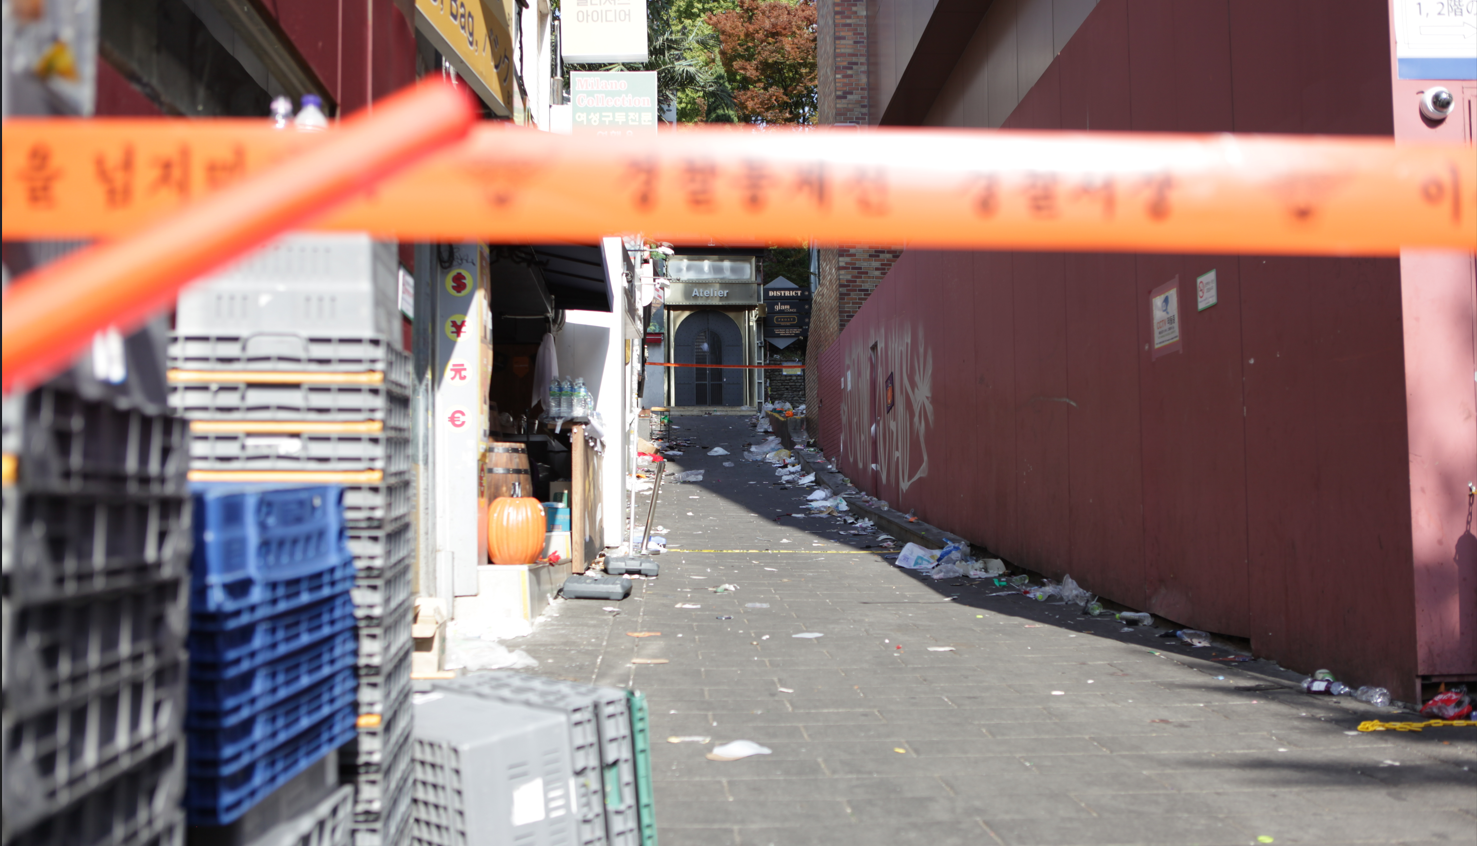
(458, 418)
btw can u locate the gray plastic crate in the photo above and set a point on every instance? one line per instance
(373, 742)
(328, 824)
(376, 596)
(380, 684)
(318, 403)
(490, 773)
(64, 443)
(600, 737)
(378, 786)
(382, 639)
(58, 652)
(140, 807)
(377, 506)
(376, 551)
(391, 828)
(57, 757)
(58, 546)
(318, 350)
(311, 282)
(309, 451)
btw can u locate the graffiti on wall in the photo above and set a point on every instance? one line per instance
(902, 418)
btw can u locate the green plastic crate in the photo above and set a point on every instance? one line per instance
(641, 740)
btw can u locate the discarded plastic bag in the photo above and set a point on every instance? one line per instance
(947, 570)
(717, 451)
(737, 750)
(819, 494)
(1453, 704)
(1071, 592)
(808, 480)
(689, 476)
(1193, 637)
(915, 557)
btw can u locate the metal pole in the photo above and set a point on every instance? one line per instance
(656, 491)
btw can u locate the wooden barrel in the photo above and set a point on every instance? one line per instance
(507, 463)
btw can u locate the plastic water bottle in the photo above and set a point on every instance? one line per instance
(566, 398)
(1376, 696)
(1325, 687)
(551, 403)
(281, 112)
(581, 398)
(310, 117)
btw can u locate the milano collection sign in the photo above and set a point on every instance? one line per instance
(619, 103)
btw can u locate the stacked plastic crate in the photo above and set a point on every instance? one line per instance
(603, 796)
(289, 368)
(272, 644)
(96, 542)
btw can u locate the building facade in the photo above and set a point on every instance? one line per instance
(1298, 473)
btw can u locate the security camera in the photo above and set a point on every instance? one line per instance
(1437, 103)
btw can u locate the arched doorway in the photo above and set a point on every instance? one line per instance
(708, 338)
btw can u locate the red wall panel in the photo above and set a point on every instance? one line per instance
(316, 30)
(1255, 483)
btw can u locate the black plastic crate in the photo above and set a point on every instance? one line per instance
(379, 786)
(378, 506)
(389, 454)
(390, 827)
(57, 652)
(64, 443)
(233, 401)
(379, 734)
(60, 546)
(139, 807)
(56, 757)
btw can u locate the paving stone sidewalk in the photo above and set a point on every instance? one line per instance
(1038, 726)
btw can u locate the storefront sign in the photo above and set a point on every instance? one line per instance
(786, 325)
(622, 104)
(1164, 317)
(718, 268)
(1436, 39)
(603, 31)
(474, 37)
(713, 294)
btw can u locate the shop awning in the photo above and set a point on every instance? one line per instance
(575, 276)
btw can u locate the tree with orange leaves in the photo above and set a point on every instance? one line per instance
(768, 52)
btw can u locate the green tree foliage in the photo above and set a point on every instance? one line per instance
(769, 56)
(793, 263)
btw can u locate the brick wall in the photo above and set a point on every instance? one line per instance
(778, 386)
(847, 275)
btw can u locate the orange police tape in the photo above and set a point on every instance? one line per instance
(963, 189)
(117, 171)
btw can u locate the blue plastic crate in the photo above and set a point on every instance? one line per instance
(221, 751)
(279, 598)
(214, 703)
(211, 800)
(249, 537)
(219, 655)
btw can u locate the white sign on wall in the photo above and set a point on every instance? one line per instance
(594, 31)
(1436, 39)
(1164, 316)
(1205, 292)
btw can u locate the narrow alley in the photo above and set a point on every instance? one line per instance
(937, 713)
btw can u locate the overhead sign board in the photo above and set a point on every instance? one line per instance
(597, 31)
(783, 297)
(474, 37)
(735, 268)
(786, 325)
(713, 294)
(615, 103)
(1436, 39)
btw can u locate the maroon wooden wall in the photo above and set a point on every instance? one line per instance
(1254, 484)
(361, 50)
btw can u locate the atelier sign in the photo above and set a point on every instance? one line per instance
(713, 293)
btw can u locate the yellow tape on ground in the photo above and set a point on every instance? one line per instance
(941, 188)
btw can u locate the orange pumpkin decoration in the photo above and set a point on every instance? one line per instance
(515, 529)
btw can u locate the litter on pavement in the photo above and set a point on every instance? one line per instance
(736, 750)
(808, 634)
